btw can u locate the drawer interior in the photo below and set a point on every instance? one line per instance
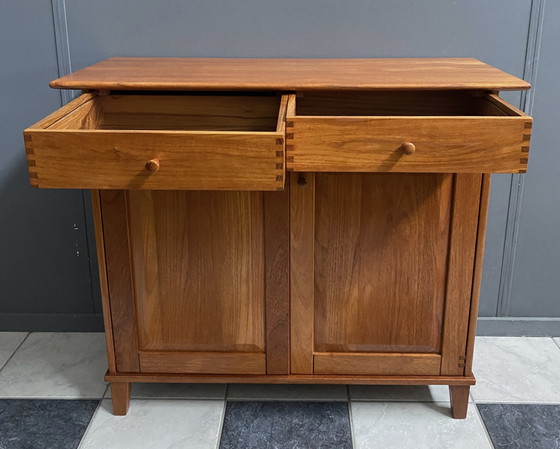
(177, 111)
(401, 103)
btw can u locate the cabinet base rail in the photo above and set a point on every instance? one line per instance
(289, 379)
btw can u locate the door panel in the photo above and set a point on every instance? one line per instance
(377, 282)
(198, 270)
(380, 254)
(186, 275)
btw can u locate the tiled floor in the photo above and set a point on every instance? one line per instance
(52, 396)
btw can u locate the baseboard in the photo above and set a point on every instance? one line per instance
(67, 322)
(51, 322)
(518, 327)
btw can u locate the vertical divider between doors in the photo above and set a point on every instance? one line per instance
(277, 280)
(302, 285)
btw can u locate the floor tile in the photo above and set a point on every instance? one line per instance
(176, 391)
(9, 342)
(43, 424)
(154, 423)
(399, 425)
(557, 341)
(513, 370)
(286, 425)
(522, 426)
(266, 392)
(406, 393)
(56, 365)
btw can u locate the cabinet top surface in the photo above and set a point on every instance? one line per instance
(289, 74)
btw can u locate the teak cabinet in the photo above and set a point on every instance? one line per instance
(286, 221)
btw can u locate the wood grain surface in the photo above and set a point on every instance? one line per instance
(289, 74)
(200, 142)
(277, 280)
(203, 362)
(381, 244)
(461, 260)
(289, 379)
(451, 133)
(114, 211)
(372, 364)
(198, 262)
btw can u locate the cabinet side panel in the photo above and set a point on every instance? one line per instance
(100, 245)
(121, 296)
(464, 225)
(477, 277)
(381, 247)
(198, 261)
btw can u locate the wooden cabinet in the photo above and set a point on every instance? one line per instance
(286, 221)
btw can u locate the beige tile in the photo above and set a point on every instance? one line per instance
(516, 369)
(154, 423)
(56, 365)
(401, 425)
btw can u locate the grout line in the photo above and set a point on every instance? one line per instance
(556, 341)
(222, 420)
(89, 424)
(350, 420)
(477, 411)
(105, 392)
(226, 392)
(14, 352)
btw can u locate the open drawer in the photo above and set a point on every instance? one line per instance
(406, 131)
(161, 141)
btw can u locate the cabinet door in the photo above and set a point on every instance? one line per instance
(188, 282)
(381, 272)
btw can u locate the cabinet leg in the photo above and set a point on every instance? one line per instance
(459, 400)
(120, 392)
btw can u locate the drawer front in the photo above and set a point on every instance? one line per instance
(155, 160)
(432, 144)
(77, 149)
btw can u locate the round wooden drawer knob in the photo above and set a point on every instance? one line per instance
(152, 165)
(407, 147)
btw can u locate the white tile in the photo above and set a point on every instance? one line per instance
(406, 393)
(56, 365)
(557, 341)
(420, 425)
(153, 423)
(176, 391)
(264, 392)
(9, 341)
(511, 369)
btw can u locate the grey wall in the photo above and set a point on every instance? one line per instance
(44, 282)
